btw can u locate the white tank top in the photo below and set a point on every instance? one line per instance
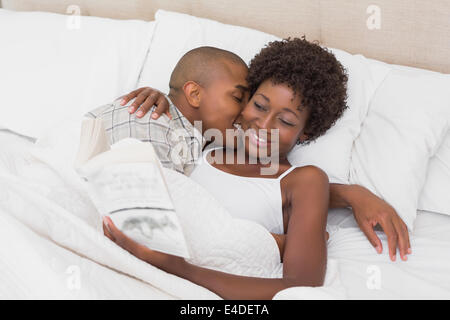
(256, 199)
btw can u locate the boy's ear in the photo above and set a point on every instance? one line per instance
(193, 91)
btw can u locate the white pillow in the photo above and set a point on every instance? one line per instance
(332, 151)
(50, 71)
(405, 125)
(177, 33)
(435, 195)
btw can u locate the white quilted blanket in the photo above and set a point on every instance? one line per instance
(54, 230)
(51, 246)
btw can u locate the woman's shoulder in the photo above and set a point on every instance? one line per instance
(308, 172)
(306, 176)
(306, 185)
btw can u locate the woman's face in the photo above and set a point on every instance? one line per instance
(273, 106)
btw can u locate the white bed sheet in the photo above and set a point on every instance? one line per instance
(54, 249)
(42, 261)
(424, 276)
(33, 267)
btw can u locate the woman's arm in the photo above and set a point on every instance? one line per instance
(340, 195)
(370, 210)
(304, 255)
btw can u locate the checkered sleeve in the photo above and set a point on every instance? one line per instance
(172, 139)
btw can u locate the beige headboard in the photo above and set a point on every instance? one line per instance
(408, 32)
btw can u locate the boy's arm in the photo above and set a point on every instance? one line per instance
(369, 210)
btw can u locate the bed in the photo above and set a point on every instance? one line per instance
(56, 254)
(56, 248)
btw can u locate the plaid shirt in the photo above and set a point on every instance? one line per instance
(177, 143)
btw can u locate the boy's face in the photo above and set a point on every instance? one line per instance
(224, 97)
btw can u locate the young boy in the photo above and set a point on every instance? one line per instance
(208, 85)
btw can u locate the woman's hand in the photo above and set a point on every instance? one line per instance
(163, 261)
(370, 210)
(146, 98)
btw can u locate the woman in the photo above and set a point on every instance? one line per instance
(297, 89)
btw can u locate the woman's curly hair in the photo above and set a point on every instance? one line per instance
(309, 70)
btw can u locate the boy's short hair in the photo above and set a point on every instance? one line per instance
(310, 71)
(197, 65)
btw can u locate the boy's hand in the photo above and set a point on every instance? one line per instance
(146, 98)
(370, 210)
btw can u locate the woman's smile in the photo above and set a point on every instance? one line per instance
(258, 138)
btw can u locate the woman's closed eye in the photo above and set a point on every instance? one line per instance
(259, 106)
(286, 122)
(283, 120)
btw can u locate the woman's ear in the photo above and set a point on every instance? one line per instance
(303, 137)
(193, 91)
